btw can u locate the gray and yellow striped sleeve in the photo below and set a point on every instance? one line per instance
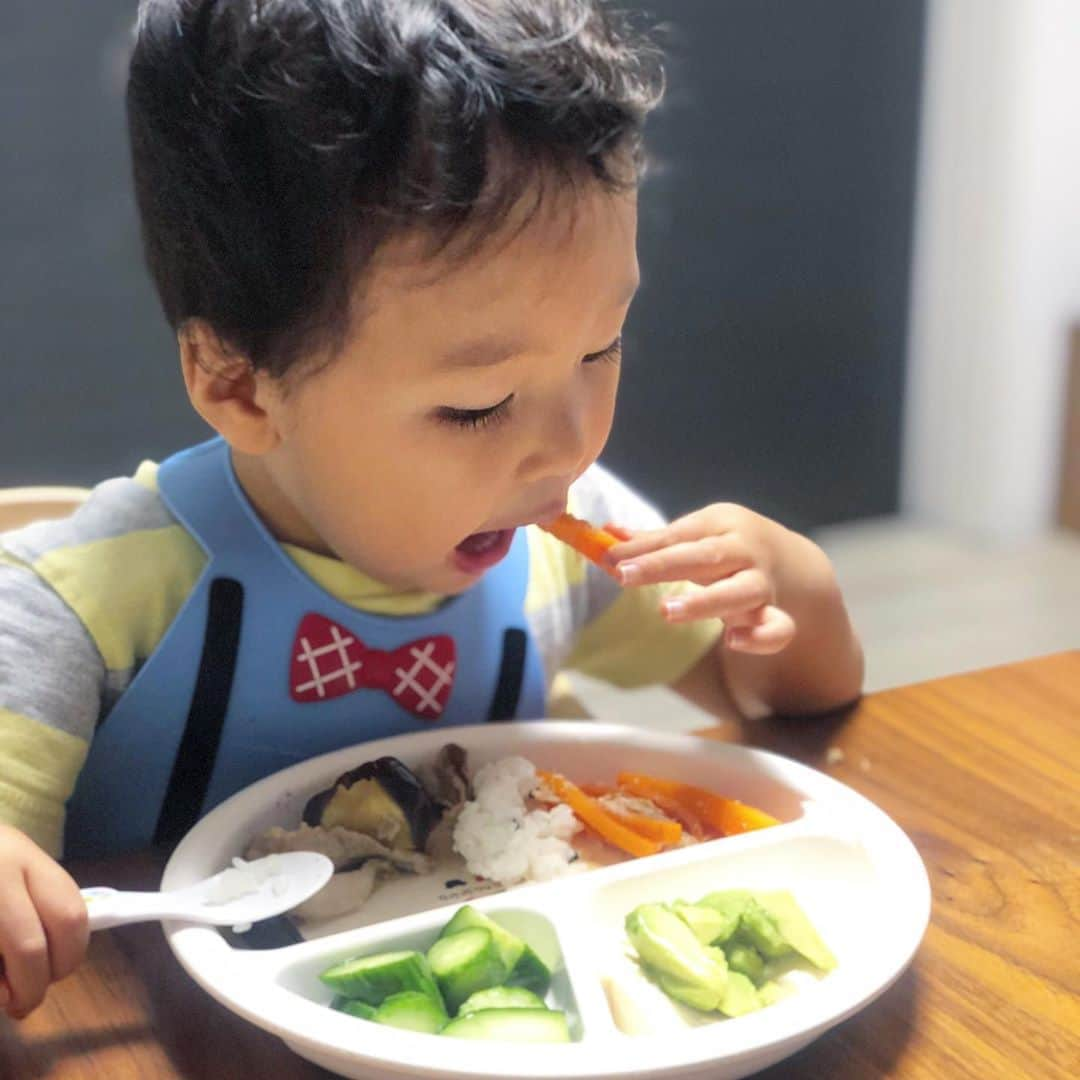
(83, 600)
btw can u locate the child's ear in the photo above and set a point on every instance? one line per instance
(233, 398)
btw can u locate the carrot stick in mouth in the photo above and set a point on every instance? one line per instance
(584, 538)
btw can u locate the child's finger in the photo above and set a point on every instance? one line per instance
(24, 949)
(63, 914)
(618, 531)
(737, 600)
(696, 526)
(701, 561)
(771, 635)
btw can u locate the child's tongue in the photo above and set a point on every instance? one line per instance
(482, 550)
(479, 543)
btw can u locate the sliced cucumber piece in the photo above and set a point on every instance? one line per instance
(468, 918)
(464, 963)
(522, 962)
(360, 1009)
(530, 972)
(511, 1025)
(375, 978)
(412, 1010)
(501, 997)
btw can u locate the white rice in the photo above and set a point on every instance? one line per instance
(504, 841)
(244, 878)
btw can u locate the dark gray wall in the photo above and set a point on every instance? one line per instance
(765, 356)
(88, 367)
(765, 352)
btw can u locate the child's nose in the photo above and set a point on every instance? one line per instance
(559, 446)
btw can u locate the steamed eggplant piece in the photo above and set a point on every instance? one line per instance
(381, 798)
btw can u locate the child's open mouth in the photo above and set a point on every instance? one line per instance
(482, 550)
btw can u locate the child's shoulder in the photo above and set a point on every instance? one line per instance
(122, 563)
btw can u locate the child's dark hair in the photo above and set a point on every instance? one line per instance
(277, 143)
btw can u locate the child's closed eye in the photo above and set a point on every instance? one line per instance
(611, 353)
(478, 418)
(475, 418)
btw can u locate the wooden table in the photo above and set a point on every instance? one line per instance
(981, 770)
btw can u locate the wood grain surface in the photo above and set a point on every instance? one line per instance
(981, 770)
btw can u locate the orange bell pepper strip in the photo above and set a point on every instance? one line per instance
(617, 531)
(681, 813)
(595, 790)
(667, 832)
(728, 817)
(590, 541)
(597, 818)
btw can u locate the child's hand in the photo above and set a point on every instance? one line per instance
(736, 555)
(43, 927)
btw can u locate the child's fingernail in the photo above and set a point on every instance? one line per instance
(738, 636)
(674, 609)
(629, 572)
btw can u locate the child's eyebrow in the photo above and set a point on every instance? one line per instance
(489, 351)
(483, 352)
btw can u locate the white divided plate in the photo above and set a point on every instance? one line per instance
(852, 870)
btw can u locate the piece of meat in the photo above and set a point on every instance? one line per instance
(446, 779)
(344, 892)
(344, 847)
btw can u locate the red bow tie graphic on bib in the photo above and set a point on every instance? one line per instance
(329, 660)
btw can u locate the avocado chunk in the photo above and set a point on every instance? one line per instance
(740, 996)
(667, 946)
(761, 930)
(724, 953)
(796, 929)
(710, 925)
(746, 960)
(731, 903)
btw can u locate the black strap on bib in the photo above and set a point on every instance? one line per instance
(507, 694)
(194, 764)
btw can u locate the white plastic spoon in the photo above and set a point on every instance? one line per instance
(234, 897)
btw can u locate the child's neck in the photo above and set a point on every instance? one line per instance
(278, 514)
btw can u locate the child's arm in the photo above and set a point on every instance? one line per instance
(43, 924)
(788, 644)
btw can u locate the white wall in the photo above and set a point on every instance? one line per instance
(997, 265)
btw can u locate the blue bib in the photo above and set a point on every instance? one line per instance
(263, 668)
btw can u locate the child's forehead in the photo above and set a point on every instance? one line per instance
(545, 258)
